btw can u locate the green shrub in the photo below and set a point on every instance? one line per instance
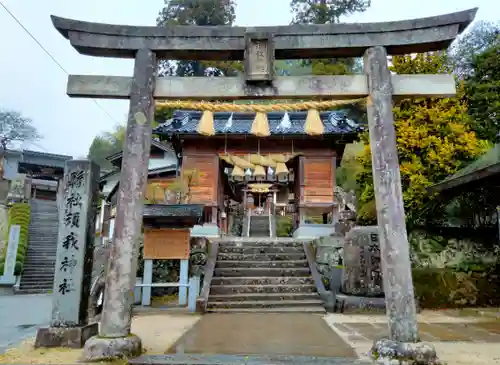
(284, 226)
(447, 288)
(19, 213)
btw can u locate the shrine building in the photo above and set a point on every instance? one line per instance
(288, 173)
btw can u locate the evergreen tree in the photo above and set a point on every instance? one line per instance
(328, 12)
(203, 13)
(477, 39)
(483, 93)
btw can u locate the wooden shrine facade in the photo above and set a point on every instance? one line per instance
(309, 181)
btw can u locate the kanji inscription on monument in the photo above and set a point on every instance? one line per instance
(362, 273)
(75, 241)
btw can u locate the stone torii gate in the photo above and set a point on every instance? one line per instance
(259, 47)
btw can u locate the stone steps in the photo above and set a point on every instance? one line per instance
(33, 290)
(238, 297)
(261, 271)
(254, 250)
(312, 309)
(283, 288)
(263, 274)
(259, 226)
(261, 264)
(263, 280)
(265, 303)
(261, 256)
(39, 265)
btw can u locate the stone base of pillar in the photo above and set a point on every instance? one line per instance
(71, 337)
(385, 351)
(101, 348)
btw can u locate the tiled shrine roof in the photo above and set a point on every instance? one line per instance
(484, 167)
(186, 122)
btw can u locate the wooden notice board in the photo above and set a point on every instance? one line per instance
(166, 244)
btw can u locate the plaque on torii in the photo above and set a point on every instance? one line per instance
(258, 47)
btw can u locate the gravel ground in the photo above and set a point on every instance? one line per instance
(158, 333)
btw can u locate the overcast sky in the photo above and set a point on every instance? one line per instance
(31, 83)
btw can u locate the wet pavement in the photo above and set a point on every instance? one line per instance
(488, 331)
(21, 316)
(301, 334)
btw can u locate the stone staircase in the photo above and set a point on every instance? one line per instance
(259, 226)
(38, 273)
(263, 275)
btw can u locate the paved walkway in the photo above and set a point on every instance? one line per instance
(458, 340)
(21, 315)
(263, 334)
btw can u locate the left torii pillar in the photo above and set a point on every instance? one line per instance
(115, 339)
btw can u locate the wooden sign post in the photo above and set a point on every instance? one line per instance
(166, 244)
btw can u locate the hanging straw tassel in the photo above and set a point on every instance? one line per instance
(260, 125)
(206, 124)
(314, 126)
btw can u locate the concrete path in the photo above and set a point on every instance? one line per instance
(301, 334)
(21, 315)
(458, 340)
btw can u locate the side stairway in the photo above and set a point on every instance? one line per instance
(38, 273)
(263, 275)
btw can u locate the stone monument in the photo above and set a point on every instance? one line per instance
(258, 47)
(77, 213)
(8, 279)
(362, 274)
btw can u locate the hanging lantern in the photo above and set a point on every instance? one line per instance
(259, 173)
(237, 174)
(281, 171)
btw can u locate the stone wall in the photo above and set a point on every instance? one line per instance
(351, 265)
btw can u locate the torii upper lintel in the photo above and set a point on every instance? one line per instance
(290, 42)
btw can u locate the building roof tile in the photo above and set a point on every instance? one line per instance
(280, 123)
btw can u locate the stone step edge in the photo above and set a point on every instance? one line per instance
(312, 309)
(208, 359)
(251, 262)
(278, 254)
(264, 268)
(291, 286)
(270, 295)
(284, 303)
(262, 277)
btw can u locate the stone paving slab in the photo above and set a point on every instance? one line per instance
(475, 332)
(300, 334)
(203, 359)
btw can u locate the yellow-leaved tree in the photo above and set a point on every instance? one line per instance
(433, 141)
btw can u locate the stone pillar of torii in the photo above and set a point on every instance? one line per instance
(258, 47)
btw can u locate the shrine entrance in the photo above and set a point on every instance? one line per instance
(260, 198)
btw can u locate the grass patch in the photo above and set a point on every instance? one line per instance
(165, 300)
(25, 353)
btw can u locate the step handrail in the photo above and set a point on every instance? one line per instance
(327, 296)
(249, 220)
(202, 300)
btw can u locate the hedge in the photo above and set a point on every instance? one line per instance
(19, 214)
(446, 288)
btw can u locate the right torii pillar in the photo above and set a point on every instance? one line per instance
(394, 246)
